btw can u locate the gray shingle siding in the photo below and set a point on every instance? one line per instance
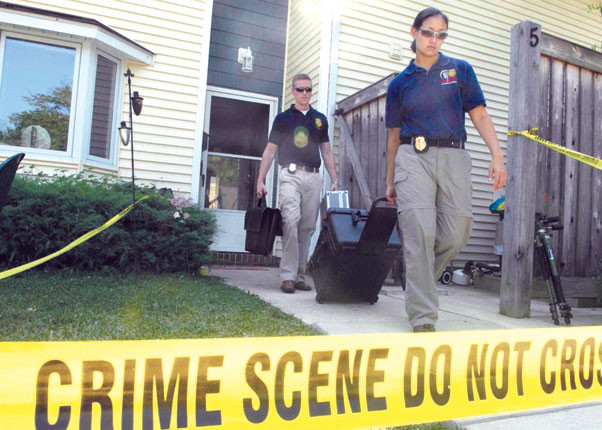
(258, 24)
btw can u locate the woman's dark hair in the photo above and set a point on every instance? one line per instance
(424, 14)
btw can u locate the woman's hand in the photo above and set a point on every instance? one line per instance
(391, 194)
(497, 169)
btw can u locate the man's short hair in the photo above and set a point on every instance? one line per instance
(301, 77)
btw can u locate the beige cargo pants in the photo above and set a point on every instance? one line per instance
(299, 198)
(434, 206)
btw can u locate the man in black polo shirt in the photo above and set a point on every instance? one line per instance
(298, 134)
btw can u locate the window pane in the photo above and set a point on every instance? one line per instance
(35, 94)
(102, 116)
(238, 127)
(230, 182)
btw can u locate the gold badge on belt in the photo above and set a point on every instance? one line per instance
(420, 144)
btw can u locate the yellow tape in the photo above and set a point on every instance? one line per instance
(320, 382)
(76, 242)
(532, 134)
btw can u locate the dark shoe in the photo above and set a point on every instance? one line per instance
(302, 286)
(287, 287)
(423, 328)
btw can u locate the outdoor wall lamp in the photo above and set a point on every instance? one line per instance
(245, 57)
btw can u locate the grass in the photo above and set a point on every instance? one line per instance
(42, 306)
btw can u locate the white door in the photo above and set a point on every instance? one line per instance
(236, 131)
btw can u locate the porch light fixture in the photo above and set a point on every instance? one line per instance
(245, 57)
(124, 133)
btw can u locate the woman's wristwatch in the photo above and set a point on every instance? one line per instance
(336, 182)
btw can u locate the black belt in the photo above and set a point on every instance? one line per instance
(441, 143)
(304, 168)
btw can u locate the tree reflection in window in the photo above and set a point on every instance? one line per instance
(50, 113)
(35, 94)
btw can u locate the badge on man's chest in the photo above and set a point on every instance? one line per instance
(420, 145)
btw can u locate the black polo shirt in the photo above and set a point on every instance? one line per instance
(299, 136)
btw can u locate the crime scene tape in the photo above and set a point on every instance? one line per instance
(70, 246)
(532, 134)
(319, 382)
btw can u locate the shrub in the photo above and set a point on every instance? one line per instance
(45, 214)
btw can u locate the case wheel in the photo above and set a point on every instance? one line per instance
(373, 300)
(446, 276)
(319, 298)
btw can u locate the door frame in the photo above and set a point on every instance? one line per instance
(226, 216)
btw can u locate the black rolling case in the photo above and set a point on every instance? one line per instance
(354, 253)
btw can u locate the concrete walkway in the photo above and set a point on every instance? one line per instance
(461, 308)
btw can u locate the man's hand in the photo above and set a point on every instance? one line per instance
(391, 194)
(497, 169)
(334, 186)
(261, 189)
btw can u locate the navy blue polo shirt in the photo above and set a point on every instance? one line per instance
(433, 103)
(299, 136)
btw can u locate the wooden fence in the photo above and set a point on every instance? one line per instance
(555, 86)
(363, 143)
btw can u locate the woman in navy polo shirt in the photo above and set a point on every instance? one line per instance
(428, 169)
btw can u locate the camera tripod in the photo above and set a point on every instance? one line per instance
(549, 270)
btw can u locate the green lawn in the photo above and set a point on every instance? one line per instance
(40, 306)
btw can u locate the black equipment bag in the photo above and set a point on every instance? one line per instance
(262, 225)
(354, 253)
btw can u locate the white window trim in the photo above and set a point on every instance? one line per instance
(117, 114)
(69, 154)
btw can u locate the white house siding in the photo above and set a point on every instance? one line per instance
(303, 45)
(480, 33)
(165, 131)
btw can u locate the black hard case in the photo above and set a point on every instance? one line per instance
(354, 253)
(262, 225)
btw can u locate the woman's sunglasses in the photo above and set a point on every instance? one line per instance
(306, 89)
(430, 34)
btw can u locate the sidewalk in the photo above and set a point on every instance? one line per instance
(461, 308)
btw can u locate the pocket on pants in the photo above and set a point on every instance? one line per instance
(401, 174)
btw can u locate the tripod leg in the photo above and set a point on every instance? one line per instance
(545, 272)
(565, 308)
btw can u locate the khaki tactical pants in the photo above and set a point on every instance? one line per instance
(299, 198)
(434, 206)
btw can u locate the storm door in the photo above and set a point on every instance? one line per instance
(236, 132)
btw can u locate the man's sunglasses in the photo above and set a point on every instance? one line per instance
(430, 34)
(301, 90)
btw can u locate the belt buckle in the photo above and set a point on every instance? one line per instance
(420, 145)
(292, 168)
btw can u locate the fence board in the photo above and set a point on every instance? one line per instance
(570, 198)
(544, 130)
(372, 148)
(354, 190)
(517, 269)
(363, 142)
(358, 171)
(555, 165)
(584, 205)
(596, 230)
(382, 148)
